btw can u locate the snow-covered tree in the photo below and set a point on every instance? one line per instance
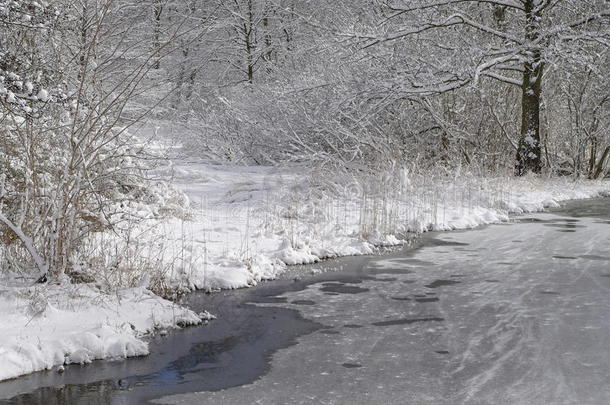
(514, 42)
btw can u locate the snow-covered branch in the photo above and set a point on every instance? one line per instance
(433, 4)
(501, 78)
(28, 243)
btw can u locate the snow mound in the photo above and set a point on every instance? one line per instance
(48, 326)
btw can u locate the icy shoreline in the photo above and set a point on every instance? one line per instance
(230, 243)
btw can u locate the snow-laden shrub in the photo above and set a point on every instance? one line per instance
(69, 167)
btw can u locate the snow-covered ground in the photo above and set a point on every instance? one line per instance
(247, 224)
(47, 326)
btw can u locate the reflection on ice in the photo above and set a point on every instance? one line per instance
(408, 321)
(430, 299)
(303, 302)
(440, 283)
(595, 257)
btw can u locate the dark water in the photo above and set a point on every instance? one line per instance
(187, 360)
(236, 348)
(233, 350)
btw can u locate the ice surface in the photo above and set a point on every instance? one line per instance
(522, 317)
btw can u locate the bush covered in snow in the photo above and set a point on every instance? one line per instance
(69, 168)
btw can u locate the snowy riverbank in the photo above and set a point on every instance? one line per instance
(49, 325)
(247, 225)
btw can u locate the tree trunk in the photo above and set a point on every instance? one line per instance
(592, 158)
(529, 153)
(157, 11)
(601, 164)
(248, 31)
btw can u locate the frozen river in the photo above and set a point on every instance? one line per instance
(515, 313)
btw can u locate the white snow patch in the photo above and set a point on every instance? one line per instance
(50, 325)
